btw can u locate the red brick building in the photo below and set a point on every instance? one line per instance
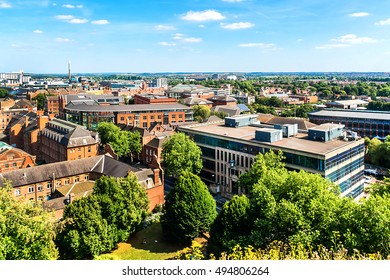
(13, 158)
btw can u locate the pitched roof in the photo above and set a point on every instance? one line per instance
(102, 164)
(302, 123)
(157, 142)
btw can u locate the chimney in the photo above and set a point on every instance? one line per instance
(42, 121)
(26, 121)
(156, 177)
(71, 198)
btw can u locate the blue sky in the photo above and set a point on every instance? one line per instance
(197, 36)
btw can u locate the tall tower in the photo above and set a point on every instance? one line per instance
(69, 74)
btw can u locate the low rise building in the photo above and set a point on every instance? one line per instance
(13, 158)
(364, 123)
(57, 182)
(229, 148)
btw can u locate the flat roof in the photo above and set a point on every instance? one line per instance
(125, 108)
(354, 114)
(327, 126)
(247, 133)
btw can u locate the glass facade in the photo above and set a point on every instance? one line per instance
(345, 170)
(351, 181)
(344, 156)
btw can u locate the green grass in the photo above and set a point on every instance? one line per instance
(134, 249)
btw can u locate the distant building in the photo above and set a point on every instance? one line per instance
(346, 104)
(365, 123)
(137, 115)
(13, 158)
(52, 105)
(15, 78)
(153, 99)
(223, 100)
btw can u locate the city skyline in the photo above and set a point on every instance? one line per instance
(194, 36)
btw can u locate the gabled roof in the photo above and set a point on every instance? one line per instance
(157, 142)
(102, 164)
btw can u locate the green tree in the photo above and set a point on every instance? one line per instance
(40, 99)
(26, 231)
(124, 143)
(201, 112)
(231, 226)
(124, 203)
(3, 92)
(180, 154)
(189, 209)
(83, 232)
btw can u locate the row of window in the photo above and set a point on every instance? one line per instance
(351, 181)
(345, 170)
(344, 156)
(31, 189)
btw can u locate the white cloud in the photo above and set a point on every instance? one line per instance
(184, 39)
(78, 21)
(5, 5)
(332, 46)
(15, 46)
(71, 19)
(64, 17)
(38, 31)
(300, 40)
(161, 27)
(237, 25)
(207, 15)
(258, 45)
(100, 22)
(166, 44)
(354, 39)
(383, 22)
(233, 1)
(63, 40)
(360, 14)
(201, 26)
(69, 6)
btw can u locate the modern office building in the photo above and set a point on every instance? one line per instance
(229, 147)
(137, 115)
(365, 123)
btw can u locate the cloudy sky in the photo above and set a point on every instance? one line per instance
(194, 35)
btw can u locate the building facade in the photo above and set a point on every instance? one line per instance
(229, 151)
(13, 158)
(364, 123)
(138, 115)
(51, 181)
(62, 141)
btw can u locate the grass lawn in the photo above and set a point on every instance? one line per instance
(134, 249)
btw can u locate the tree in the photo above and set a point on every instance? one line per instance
(201, 112)
(40, 98)
(189, 209)
(124, 143)
(84, 233)
(180, 154)
(3, 92)
(231, 225)
(26, 231)
(124, 203)
(304, 210)
(95, 224)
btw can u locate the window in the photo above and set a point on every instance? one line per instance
(89, 149)
(79, 149)
(48, 185)
(30, 189)
(76, 179)
(6, 165)
(39, 188)
(17, 192)
(86, 177)
(67, 181)
(58, 183)
(79, 157)
(14, 164)
(152, 117)
(40, 198)
(122, 119)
